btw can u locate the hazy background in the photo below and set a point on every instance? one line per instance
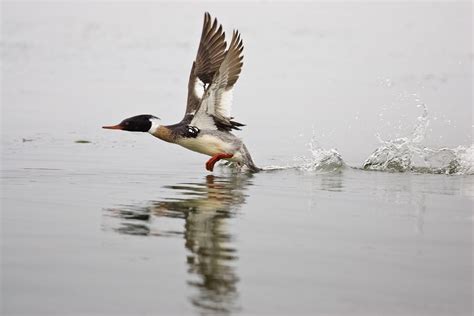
(348, 69)
(126, 224)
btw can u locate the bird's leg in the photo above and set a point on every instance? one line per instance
(211, 162)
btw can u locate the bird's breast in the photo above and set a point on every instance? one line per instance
(207, 144)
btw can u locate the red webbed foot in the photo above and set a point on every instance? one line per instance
(211, 162)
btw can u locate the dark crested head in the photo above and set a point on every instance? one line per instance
(139, 123)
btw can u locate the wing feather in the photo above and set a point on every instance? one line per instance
(210, 55)
(215, 109)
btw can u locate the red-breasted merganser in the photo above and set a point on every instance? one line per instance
(207, 124)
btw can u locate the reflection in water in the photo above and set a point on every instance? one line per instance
(323, 181)
(409, 191)
(420, 206)
(204, 207)
(332, 182)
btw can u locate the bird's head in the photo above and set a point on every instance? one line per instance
(139, 123)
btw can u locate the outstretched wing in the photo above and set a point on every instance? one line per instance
(214, 111)
(210, 55)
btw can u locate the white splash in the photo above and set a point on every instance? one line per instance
(321, 160)
(408, 154)
(327, 160)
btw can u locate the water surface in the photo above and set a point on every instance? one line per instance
(89, 237)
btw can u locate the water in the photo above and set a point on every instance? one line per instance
(364, 206)
(410, 154)
(81, 229)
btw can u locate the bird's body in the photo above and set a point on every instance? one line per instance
(212, 143)
(207, 142)
(207, 124)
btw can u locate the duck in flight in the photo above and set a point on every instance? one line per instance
(207, 124)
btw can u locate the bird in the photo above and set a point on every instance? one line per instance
(207, 125)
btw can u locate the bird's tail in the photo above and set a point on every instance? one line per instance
(248, 160)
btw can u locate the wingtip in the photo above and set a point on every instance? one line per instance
(207, 18)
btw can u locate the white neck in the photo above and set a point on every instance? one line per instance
(155, 123)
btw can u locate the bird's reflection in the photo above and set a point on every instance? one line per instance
(205, 208)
